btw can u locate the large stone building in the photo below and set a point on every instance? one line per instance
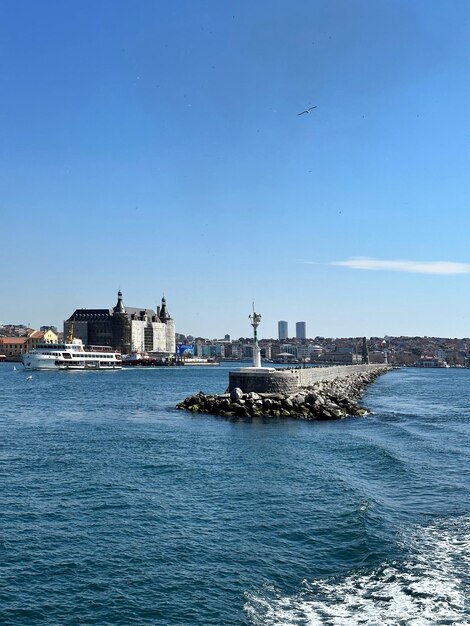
(127, 329)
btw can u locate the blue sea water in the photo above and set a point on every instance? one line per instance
(116, 508)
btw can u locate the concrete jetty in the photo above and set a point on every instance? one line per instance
(323, 393)
(269, 380)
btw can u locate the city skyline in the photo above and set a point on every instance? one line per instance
(158, 149)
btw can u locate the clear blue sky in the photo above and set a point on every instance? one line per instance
(156, 147)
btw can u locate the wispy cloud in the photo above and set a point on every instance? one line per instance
(412, 267)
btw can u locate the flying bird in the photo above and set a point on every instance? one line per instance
(307, 110)
(29, 378)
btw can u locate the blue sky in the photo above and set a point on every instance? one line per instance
(156, 147)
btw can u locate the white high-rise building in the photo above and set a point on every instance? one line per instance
(301, 330)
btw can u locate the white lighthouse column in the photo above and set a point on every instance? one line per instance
(256, 369)
(256, 356)
(255, 322)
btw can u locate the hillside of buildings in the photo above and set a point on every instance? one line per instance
(425, 351)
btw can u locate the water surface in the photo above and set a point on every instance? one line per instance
(119, 509)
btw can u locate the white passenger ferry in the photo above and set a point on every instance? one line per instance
(72, 355)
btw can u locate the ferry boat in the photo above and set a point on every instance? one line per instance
(71, 355)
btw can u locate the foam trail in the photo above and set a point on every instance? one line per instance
(430, 587)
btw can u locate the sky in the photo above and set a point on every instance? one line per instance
(156, 148)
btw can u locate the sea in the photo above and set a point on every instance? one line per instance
(116, 508)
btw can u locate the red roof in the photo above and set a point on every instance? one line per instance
(17, 340)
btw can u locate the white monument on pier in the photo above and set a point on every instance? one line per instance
(255, 319)
(255, 322)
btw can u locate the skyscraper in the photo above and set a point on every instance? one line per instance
(301, 330)
(283, 330)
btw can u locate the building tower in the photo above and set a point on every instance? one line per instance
(301, 330)
(164, 316)
(365, 351)
(283, 330)
(121, 327)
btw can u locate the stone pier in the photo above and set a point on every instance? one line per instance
(313, 394)
(286, 381)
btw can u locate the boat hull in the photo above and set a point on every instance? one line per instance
(33, 362)
(70, 357)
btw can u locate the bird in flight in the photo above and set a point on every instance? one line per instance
(307, 110)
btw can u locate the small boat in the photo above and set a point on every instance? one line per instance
(71, 355)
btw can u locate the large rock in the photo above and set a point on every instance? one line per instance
(236, 394)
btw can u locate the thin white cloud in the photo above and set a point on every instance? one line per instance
(412, 267)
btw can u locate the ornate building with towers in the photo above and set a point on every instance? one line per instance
(128, 329)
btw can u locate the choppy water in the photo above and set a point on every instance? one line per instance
(118, 509)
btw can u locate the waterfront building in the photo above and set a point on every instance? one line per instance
(214, 350)
(210, 349)
(50, 335)
(302, 351)
(301, 330)
(288, 348)
(34, 339)
(248, 351)
(428, 361)
(315, 351)
(265, 349)
(236, 350)
(12, 347)
(128, 329)
(283, 330)
(339, 357)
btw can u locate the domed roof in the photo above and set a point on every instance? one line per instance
(164, 315)
(119, 308)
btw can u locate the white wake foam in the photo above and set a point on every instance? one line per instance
(431, 587)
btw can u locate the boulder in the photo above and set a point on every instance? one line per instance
(236, 394)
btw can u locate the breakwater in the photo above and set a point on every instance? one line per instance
(330, 393)
(265, 380)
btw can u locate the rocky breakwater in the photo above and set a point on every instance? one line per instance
(324, 400)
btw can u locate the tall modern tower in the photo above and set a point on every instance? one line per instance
(301, 330)
(283, 330)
